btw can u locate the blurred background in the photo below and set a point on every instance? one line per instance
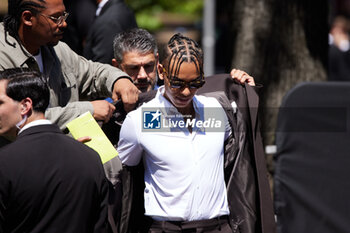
(3, 7)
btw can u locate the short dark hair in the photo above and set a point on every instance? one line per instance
(12, 19)
(23, 83)
(136, 39)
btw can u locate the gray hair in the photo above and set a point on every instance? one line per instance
(136, 39)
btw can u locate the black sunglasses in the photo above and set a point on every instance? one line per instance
(179, 84)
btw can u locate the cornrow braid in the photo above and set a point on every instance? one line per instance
(12, 19)
(182, 49)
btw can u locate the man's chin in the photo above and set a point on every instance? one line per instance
(53, 43)
(144, 88)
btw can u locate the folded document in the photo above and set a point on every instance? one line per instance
(86, 125)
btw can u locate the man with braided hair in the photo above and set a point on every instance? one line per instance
(182, 140)
(184, 157)
(29, 38)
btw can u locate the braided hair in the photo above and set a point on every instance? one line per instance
(12, 19)
(182, 49)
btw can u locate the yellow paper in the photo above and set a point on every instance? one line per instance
(86, 125)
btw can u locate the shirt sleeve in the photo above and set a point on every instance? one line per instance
(129, 147)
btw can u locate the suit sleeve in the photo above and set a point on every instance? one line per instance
(3, 194)
(101, 224)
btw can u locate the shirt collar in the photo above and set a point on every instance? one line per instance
(35, 123)
(100, 6)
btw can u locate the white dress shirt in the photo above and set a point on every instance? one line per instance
(184, 172)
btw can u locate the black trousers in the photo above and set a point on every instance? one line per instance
(219, 225)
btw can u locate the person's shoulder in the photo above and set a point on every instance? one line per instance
(151, 103)
(65, 54)
(61, 50)
(2, 32)
(2, 28)
(69, 140)
(121, 8)
(9, 152)
(118, 4)
(6, 40)
(62, 46)
(111, 8)
(73, 146)
(208, 101)
(136, 115)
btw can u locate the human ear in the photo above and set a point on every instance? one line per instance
(27, 18)
(26, 106)
(115, 63)
(160, 71)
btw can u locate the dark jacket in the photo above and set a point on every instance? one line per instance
(249, 196)
(50, 182)
(115, 17)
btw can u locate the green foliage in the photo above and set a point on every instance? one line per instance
(148, 12)
(146, 20)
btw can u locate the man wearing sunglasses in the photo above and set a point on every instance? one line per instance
(178, 159)
(191, 152)
(29, 37)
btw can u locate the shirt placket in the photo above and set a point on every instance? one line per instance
(196, 177)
